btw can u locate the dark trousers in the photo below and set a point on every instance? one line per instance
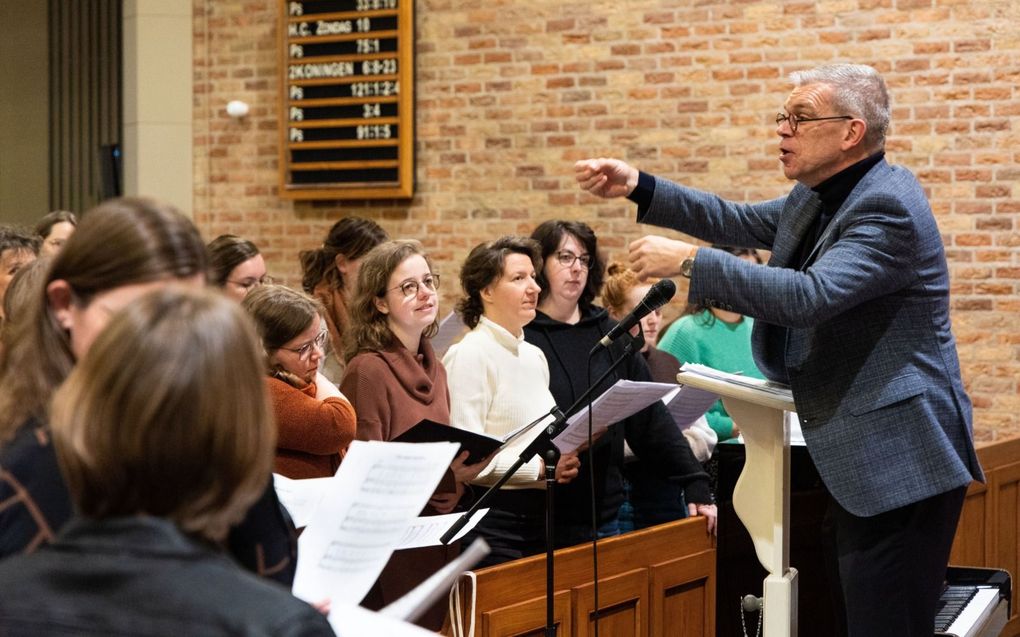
(886, 572)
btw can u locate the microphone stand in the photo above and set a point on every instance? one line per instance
(550, 453)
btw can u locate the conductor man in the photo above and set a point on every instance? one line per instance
(852, 311)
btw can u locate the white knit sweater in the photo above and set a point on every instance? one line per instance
(498, 382)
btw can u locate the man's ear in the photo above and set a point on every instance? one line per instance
(855, 134)
(60, 299)
(381, 305)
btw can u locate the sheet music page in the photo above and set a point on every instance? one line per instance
(687, 404)
(767, 386)
(379, 489)
(450, 328)
(620, 401)
(424, 595)
(355, 621)
(299, 497)
(426, 530)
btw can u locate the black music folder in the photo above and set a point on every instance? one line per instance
(479, 445)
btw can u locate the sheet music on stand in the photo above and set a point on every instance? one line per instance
(779, 390)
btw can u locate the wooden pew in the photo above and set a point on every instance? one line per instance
(657, 582)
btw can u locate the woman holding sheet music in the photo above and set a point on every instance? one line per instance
(499, 382)
(395, 381)
(567, 326)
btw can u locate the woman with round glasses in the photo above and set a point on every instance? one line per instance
(315, 422)
(567, 326)
(236, 266)
(395, 381)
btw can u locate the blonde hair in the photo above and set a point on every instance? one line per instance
(369, 330)
(620, 280)
(167, 415)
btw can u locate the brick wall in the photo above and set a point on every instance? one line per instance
(511, 92)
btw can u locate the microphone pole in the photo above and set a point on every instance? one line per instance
(542, 444)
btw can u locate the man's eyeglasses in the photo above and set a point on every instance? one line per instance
(566, 258)
(251, 282)
(303, 352)
(796, 120)
(411, 287)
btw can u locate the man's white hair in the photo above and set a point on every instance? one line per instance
(857, 90)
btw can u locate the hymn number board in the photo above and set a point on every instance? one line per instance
(347, 100)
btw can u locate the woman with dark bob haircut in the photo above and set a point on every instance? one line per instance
(121, 250)
(568, 325)
(163, 433)
(499, 382)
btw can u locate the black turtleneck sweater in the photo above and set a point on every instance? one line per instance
(832, 193)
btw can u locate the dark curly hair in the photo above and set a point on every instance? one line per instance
(484, 265)
(549, 234)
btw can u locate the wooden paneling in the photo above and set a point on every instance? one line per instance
(987, 534)
(682, 597)
(658, 581)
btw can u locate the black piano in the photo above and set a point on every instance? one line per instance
(974, 603)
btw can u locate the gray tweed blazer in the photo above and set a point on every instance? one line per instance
(861, 332)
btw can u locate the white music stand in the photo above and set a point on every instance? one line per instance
(761, 497)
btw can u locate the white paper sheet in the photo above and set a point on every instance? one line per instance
(367, 505)
(620, 401)
(411, 606)
(766, 386)
(426, 530)
(355, 621)
(686, 404)
(450, 328)
(300, 497)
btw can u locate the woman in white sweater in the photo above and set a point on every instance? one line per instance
(499, 382)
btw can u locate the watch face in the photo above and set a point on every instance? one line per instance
(686, 266)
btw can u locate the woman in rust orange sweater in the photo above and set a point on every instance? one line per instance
(315, 421)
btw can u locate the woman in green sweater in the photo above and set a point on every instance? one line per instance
(718, 339)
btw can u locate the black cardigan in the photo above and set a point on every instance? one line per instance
(651, 433)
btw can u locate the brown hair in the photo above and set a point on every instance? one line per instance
(226, 252)
(369, 330)
(620, 280)
(166, 415)
(13, 238)
(121, 242)
(22, 291)
(45, 225)
(352, 237)
(484, 265)
(549, 234)
(280, 314)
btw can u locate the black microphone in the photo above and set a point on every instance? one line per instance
(659, 295)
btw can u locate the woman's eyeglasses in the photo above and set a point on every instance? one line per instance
(411, 287)
(305, 351)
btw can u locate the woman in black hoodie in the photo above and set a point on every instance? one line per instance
(566, 328)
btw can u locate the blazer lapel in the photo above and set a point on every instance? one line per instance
(802, 215)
